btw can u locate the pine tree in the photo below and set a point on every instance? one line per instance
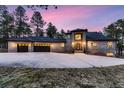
(38, 22)
(21, 21)
(51, 30)
(6, 22)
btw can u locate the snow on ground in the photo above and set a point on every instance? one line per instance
(56, 60)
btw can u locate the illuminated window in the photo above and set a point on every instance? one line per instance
(109, 44)
(77, 37)
(109, 54)
(93, 44)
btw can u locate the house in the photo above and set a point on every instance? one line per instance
(78, 40)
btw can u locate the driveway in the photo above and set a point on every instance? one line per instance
(56, 60)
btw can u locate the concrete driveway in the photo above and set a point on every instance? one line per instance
(56, 60)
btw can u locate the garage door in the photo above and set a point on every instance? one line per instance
(22, 48)
(41, 48)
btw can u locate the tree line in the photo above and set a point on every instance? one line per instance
(18, 24)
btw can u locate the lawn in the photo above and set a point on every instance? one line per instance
(69, 77)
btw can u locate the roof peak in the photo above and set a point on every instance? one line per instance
(79, 30)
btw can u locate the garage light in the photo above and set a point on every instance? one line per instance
(43, 44)
(23, 44)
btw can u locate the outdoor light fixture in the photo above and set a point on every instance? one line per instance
(29, 44)
(23, 44)
(41, 44)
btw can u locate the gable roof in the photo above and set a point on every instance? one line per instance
(97, 36)
(37, 39)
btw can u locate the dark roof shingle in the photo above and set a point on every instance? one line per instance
(37, 39)
(97, 36)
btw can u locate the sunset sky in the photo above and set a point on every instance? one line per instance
(69, 17)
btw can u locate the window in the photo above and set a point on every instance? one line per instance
(77, 36)
(109, 44)
(2, 45)
(68, 36)
(93, 44)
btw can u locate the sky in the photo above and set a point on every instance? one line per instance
(69, 17)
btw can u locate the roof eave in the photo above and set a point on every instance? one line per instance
(101, 40)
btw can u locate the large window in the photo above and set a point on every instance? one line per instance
(109, 44)
(93, 44)
(77, 36)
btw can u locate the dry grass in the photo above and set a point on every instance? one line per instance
(85, 77)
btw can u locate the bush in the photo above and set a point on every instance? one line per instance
(2, 40)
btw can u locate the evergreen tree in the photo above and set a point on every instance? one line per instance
(38, 22)
(63, 34)
(116, 30)
(6, 22)
(46, 7)
(21, 21)
(51, 30)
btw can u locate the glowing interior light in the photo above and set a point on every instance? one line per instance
(109, 54)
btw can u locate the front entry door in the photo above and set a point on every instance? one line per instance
(78, 47)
